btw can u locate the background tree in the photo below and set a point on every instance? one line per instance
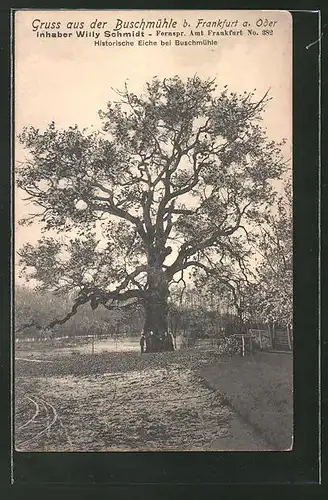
(265, 294)
(172, 182)
(271, 298)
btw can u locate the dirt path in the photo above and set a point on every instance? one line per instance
(164, 409)
(241, 438)
(147, 403)
(169, 411)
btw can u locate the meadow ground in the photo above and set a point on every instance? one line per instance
(69, 399)
(259, 390)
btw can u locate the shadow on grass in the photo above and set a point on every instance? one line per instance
(111, 362)
(260, 392)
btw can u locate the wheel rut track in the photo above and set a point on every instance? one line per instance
(42, 423)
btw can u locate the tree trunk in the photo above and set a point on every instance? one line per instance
(156, 314)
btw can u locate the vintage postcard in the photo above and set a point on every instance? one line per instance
(153, 230)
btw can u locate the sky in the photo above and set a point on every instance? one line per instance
(67, 80)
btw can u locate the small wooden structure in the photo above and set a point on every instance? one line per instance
(282, 340)
(246, 338)
(279, 340)
(273, 339)
(262, 337)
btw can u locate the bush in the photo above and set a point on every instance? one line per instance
(228, 346)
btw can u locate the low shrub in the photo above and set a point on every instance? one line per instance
(228, 346)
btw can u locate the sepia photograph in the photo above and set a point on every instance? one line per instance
(153, 248)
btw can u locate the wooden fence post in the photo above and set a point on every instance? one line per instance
(243, 345)
(288, 338)
(273, 335)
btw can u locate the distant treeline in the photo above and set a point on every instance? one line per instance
(33, 309)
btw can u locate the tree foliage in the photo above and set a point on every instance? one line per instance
(173, 181)
(265, 294)
(272, 297)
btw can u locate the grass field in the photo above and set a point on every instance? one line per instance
(115, 399)
(260, 391)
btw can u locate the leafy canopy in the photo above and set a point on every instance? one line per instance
(174, 180)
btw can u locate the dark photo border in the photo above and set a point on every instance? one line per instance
(186, 473)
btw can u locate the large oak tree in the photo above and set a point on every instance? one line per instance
(172, 182)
